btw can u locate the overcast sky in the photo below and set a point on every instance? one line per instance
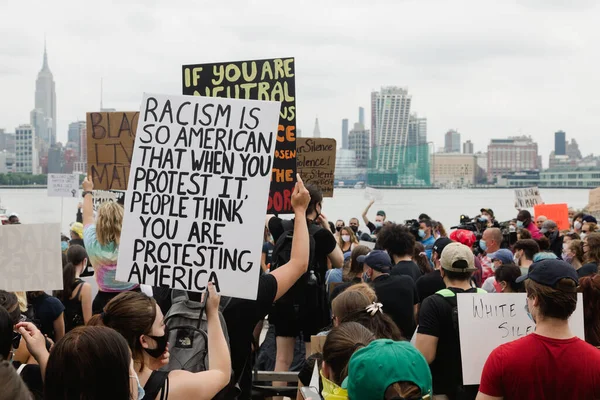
(488, 68)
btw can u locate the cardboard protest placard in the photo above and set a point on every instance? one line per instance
(373, 194)
(558, 213)
(110, 138)
(100, 197)
(315, 161)
(30, 257)
(197, 194)
(527, 198)
(272, 79)
(594, 202)
(63, 185)
(502, 318)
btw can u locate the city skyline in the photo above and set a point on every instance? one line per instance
(493, 78)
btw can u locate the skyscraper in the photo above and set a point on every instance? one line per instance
(26, 157)
(76, 129)
(468, 147)
(390, 110)
(515, 154)
(45, 102)
(358, 141)
(560, 143)
(345, 133)
(361, 116)
(317, 130)
(452, 142)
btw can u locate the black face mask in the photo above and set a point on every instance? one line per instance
(354, 228)
(338, 228)
(161, 345)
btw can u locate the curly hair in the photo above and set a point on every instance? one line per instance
(108, 223)
(396, 239)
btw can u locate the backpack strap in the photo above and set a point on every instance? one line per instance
(157, 383)
(178, 295)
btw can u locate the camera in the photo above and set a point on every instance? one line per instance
(413, 226)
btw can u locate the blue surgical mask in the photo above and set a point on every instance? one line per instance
(528, 312)
(519, 224)
(64, 246)
(421, 233)
(366, 277)
(567, 258)
(141, 392)
(482, 244)
(378, 224)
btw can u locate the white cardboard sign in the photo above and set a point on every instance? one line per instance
(197, 194)
(373, 194)
(30, 257)
(488, 320)
(63, 185)
(527, 198)
(104, 196)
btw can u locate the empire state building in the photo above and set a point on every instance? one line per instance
(43, 117)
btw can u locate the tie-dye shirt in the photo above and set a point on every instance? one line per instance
(104, 261)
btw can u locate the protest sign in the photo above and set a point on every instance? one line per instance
(63, 185)
(315, 162)
(502, 318)
(100, 197)
(30, 257)
(373, 194)
(110, 137)
(527, 198)
(558, 213)
(198, 190)
(272, 79)
(594, 202)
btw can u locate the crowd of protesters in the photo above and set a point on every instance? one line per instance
(384, 298)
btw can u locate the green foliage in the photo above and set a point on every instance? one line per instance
(23, 179)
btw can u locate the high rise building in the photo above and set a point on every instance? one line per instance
(390, 111)
(361, 116)
(75, 131)
(454, 169)
(515, 154)
(45, 101)
(56, 159)
(468, 147)
(26, 156)
(560, 143)
(417, 130)
(317, 130)
(7, 141)
(573, 150)
(345, 133)
(358, 141)
(452, 142)
(83, 147)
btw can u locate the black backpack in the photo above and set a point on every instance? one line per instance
(282, 253)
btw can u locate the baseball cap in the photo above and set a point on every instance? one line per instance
(549, 272)
(77, 227)
(547, 225)
(381, 212)
(457, 257)
(383, 362)
(464, 236)
(590, 218)
(503, 255)
(439, 245)
(379, 260)
(487, 210)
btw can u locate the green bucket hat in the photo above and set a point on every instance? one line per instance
(383, 362)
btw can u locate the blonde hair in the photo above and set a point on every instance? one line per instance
(108, 223)
(365, 290)
(22, 298)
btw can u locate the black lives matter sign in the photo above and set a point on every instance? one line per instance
(272, 79)
(197, 193)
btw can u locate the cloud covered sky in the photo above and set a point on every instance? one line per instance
(489, 68)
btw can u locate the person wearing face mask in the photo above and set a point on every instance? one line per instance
(573, 253)
(501, 257)
(487, 215)
(339, 224)
(550, 230)
(578, 222)
(346, 239)
(525, 250)
(591, 250)
(379, 219)
(426, 235)
(354, 225)
(572, 366)
(140, 321)
(524, 220)
(490, 242)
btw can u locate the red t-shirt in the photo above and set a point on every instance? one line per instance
(537, 367)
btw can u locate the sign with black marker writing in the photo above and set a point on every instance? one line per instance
(100, 197)
(30, 257)
(527, 198)
(271, 80)
(110, 137)
(198, 189)
(489, 320)
(63, 185)
(315, 161)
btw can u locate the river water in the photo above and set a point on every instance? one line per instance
(33, 205)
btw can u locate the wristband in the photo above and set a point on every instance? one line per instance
(86, 192)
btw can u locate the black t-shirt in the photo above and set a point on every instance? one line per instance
(339, 289)
(241, 317)
(587, 269)
(324, 244)
(32, 376)
(430, 283)
(371, 226)
(408, 268)
(268, 250)
(398, 294)
(47, 309)
(435, 319)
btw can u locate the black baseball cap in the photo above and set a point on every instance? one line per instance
(550, 272)
(379, 260)
(487, 210)
(590, 219)
(439, 245)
